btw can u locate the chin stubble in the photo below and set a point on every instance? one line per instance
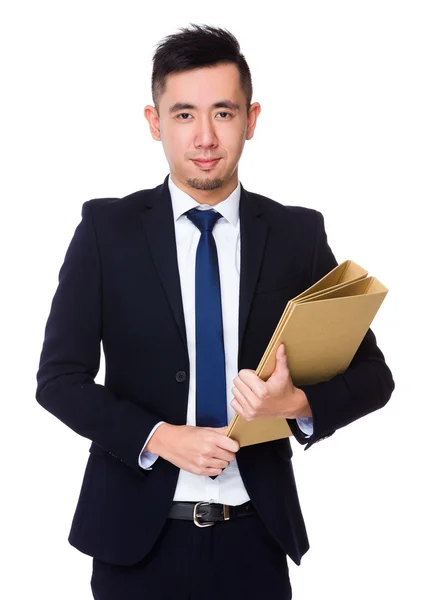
(205, 184)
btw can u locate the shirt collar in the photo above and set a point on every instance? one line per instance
(182, 202)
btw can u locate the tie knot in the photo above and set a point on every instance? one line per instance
(205, 220)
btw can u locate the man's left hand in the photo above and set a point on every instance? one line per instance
(276, 397)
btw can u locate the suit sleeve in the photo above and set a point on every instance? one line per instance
(365, 386)
(70, 357)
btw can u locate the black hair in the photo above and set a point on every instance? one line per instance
(200, 46)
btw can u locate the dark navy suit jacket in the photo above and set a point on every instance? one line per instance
(119, 286)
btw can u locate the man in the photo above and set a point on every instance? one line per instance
(184, 284)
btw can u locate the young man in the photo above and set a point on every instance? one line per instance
(184, 284)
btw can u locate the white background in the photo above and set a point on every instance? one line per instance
(340, 84)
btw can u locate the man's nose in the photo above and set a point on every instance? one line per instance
(205, 134)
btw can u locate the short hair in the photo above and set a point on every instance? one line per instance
(200, 46)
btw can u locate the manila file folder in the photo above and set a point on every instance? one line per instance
(321, 329)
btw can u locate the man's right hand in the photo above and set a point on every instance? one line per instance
(199, 450)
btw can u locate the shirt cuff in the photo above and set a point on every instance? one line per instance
(147, 459)
(306, 425)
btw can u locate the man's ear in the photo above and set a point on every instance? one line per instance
(253, 113)
(153, 119)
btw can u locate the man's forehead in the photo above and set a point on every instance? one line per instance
(203, 88)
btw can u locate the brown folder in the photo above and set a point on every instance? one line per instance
(321, 329)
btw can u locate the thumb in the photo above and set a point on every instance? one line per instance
(281, 362)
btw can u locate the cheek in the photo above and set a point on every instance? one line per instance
(175, 146)
(233, 143)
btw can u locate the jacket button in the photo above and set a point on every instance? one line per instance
(180, 376)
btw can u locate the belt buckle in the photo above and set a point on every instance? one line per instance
(195, 516)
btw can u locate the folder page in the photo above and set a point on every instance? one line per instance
(344, 273)
(321, 337)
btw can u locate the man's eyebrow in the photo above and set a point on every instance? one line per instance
(221, 104)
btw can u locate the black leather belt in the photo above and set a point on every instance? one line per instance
(205, 514)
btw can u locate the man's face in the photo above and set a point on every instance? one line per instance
(203, 116)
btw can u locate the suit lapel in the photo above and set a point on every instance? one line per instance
(253, 239)
(159, 229)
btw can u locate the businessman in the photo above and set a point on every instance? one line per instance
(183, 285)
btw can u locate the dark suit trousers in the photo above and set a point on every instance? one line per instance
(231, 560)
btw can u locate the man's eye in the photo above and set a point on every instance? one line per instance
(188, 115)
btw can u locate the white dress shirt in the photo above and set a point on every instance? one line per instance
(228, 487)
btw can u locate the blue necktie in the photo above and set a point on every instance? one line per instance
(211, 407)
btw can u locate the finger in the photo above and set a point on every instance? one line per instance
(238, 408)
(250, 385)
(246, 407)
(212, 472)
(223, 454)
(243, 393)
(227, 443)
(217, 463)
